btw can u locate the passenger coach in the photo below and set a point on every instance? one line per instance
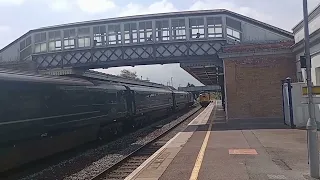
(42, 115)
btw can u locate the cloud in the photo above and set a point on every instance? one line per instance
(4, 29)
(87, 6)
(216, 4)
(96, 6)
(156, 7)
(166, 6)
(60, 5)
(11, 2)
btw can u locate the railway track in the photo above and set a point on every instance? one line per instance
(88, 161)
(129, 163)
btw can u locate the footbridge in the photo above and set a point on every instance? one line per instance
(191, 38)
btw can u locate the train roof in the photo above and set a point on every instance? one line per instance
(152, 89)
(115, 87)
(21, 76)
(180, 92)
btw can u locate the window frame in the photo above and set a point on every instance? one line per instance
(25, 48)
(116, 34)
(147, 33)
(100, 37)
(197, 27)
(215, 27)
(86, 37)
(164, 36)
(55, 40)
(69, 42)
(230, 31)
(41, 43)
(132, 33)
(179, 29)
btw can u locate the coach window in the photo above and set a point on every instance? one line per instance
(40, 42)
(99, 35)
(114, 34)
(130, 33)
(25, 48)
(145, 31)
(196, 27)
(162, 30)
(233, 29)
(178, 29)
(214, 27)
(55, 41)
(84, 37)
(69, 38)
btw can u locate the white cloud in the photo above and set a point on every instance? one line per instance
(61, 5)
(87, 6)
(96, 6)
(156, 7)
(166, 6)
(11, 2)
(216, 4)
(4, 29)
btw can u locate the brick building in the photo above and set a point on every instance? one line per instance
(253, 74)
(253, 71)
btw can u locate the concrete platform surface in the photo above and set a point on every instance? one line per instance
(211, 148)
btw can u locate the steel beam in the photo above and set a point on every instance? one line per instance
(140, 54)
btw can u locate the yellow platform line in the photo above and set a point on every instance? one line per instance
(197, 166)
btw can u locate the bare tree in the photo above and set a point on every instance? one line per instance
(128, 74)
(190, 85)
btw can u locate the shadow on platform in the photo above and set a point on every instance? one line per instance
(220, 123)
(240, 125)
(250, 124)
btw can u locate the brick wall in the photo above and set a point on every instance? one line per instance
(253, 84)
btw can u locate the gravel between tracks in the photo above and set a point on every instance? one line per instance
(93, 161)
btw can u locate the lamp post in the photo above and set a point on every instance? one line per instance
(171, 81)
(313, 149)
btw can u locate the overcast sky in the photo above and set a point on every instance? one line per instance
(19, 16)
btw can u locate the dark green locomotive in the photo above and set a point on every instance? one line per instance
(42, 115)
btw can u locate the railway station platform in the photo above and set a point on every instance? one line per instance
(212, 149)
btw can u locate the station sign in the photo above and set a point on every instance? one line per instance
(315, 90)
